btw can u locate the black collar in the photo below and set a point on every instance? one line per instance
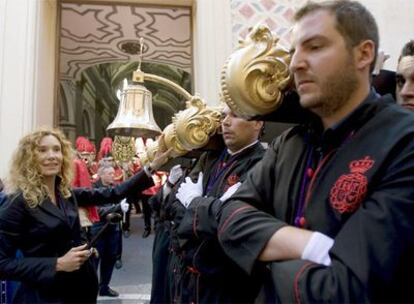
(334, 136)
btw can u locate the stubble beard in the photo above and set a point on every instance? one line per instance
(336, 91)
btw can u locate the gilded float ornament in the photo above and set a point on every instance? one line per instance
(190, 129)
(148, 155)
(195, 125)
(256, 74)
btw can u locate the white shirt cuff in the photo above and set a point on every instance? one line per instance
(317, 249)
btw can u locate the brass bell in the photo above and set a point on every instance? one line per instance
(134, 117)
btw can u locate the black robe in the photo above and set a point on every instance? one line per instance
(164, 210)
(361, 194)
(47, 232)
(160, 291)
(202, 271)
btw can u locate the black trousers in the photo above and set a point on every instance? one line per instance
(147, 211)
(108, 248)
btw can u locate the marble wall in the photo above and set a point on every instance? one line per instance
(276, 14)
(394, 18)
(27, 70)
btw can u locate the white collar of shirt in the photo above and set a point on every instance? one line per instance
(242, 149)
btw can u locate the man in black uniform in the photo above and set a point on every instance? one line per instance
(199, 271)
(160, 204)
(110, 240)
(206, 274)
(331, 204)
(405, 76)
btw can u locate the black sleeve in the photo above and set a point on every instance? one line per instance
(245, 225)
(200, 165)
(156, 200)
(35, 270)
(199, 219)
(105, 210)
(107, 195)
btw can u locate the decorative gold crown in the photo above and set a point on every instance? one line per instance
(255, 75)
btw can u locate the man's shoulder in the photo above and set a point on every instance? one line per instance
(295, 134)
(211, 154)
(256, 151)
(97, 184)
(209, 157)
(393, 116)
(3, 198)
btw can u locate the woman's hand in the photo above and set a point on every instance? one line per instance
(73, 259)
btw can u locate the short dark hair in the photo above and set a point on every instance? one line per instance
(353, 21)
(262, 130)
(408, 50)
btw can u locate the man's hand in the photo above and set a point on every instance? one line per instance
(230, 191)
(189, 190)
(73, 259)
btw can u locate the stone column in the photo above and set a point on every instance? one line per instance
(27, 70)
(212, 45)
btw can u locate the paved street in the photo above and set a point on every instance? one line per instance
(133, 280)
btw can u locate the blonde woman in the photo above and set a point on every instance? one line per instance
(41, 220)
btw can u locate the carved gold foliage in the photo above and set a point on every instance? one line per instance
(170, 140)
(190, 129)
(196, 124)
(149, 153)
(256, 74)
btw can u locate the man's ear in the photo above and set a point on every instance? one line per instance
(258, 125)
(364, 54)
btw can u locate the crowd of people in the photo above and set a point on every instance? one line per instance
(324, 216)
(321, 215)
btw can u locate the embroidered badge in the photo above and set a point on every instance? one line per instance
(231, 180)
(349, 190)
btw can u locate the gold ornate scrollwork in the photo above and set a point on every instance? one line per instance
(150, 149)
(170, 139)
(256, 74)
(190, 129)
(194, 126)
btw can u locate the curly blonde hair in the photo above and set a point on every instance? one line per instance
(25, 175)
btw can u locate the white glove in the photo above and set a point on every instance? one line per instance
(189, 190)
(124, 205)
(317, 249)
(175, 173)
(230, 191)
